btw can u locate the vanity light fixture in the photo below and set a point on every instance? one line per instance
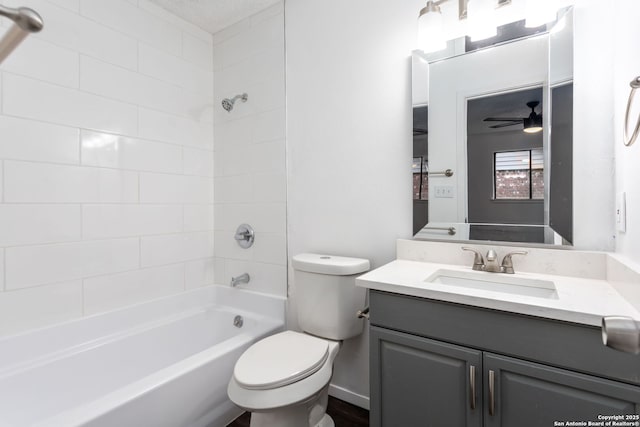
(481, 23)
(431, 28)
(481, 19)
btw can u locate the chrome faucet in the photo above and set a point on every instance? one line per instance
(491, 265)
(243, 278)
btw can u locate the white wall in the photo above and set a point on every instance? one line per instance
(250, 161)
(106, 142)
(626, 63)
(349, 140)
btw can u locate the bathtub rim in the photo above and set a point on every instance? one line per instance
(20, 348)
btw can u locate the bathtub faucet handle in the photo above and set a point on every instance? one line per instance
(245, 236)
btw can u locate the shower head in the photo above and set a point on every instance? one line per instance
(25, 21)
(227, 103)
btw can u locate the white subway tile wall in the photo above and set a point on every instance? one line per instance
(106, 160)
(250, 157)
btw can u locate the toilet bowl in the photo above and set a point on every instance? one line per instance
(284, 379)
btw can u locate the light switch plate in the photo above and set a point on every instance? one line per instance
(621, 212)
(443, 191)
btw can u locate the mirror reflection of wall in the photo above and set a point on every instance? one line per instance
(561, 162)
(420, 167)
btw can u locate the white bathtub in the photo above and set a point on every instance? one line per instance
(162, 363)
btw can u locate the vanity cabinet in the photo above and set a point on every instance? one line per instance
(530, 395)
(441, 364)
(422, 382)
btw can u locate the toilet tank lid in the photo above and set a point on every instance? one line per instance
(330, 264)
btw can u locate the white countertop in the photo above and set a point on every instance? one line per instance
(580, 300)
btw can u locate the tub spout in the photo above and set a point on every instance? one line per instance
(243, 278)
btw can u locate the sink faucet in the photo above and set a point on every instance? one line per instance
(491, 264)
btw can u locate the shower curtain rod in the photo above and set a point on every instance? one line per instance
(25, 21)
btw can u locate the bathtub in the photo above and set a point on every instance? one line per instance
(162, 363)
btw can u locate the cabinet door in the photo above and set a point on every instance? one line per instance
(418, 382)
(528, 394)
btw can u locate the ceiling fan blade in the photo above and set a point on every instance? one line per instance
(503, 119)
(504, 125)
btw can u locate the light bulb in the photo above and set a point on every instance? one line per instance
(533, 123)
(481, 19)
(431, 29)
(540, 12)
(533, 129)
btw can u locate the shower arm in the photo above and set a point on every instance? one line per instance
(243, 96)
(25, 20)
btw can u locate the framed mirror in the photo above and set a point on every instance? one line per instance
(493, 138)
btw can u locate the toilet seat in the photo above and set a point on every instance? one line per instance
(280, 360)
(266, 400)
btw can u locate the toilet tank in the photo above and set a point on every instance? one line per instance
(326, 295)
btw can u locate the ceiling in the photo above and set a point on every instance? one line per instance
(214, 15)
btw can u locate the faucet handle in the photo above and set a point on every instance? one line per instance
(507, 262)
(478, 260)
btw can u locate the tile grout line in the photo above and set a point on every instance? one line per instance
(103, 97)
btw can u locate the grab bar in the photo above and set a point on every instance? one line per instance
(450, 230)
(448, 173)
(628, 141)
(25, 21)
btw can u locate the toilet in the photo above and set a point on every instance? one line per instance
(284, 379)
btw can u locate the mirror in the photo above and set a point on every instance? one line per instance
(493, 138)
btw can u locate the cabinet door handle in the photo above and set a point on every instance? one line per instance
(492, 393)
(472, 386)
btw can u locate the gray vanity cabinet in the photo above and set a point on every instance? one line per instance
(529, 372)
(422, 382)
(528, 394)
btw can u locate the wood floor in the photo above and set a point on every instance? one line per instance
(343, 414)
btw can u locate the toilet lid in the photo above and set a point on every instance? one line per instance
(280, 360)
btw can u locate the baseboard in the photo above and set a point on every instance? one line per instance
(349, 396)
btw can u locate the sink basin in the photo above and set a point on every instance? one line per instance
(495, 282)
